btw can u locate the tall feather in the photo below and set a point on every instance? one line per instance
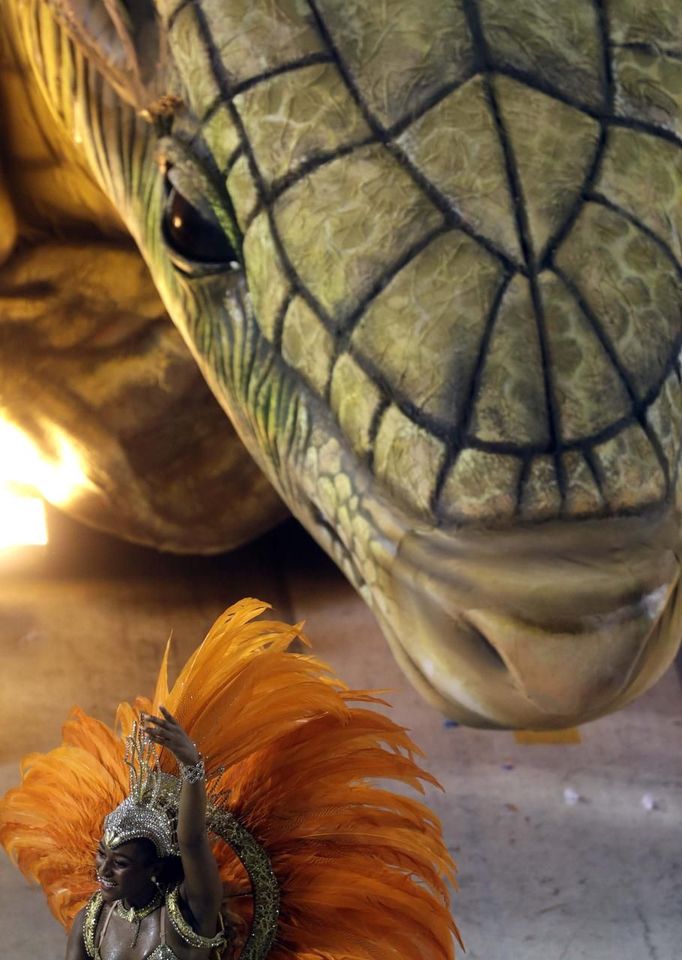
(363, 870)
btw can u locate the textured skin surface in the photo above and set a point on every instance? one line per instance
(90, 363)
(454, 345)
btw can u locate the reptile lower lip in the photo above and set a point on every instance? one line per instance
(540, 630)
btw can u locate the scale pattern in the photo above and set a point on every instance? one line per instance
(474, 258)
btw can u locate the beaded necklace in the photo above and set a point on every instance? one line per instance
(137, 914)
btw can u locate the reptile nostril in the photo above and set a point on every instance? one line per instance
(484, 647)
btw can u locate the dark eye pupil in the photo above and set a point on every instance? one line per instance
(192, 235)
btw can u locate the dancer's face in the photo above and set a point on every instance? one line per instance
(124, 872)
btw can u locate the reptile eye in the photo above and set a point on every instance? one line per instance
(194, 236)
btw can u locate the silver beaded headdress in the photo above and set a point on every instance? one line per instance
(150, 811)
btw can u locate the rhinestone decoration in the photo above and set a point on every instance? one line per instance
(92, 912)
(183, 929)
(133, 915)
(130, 821)
(151, 808)
(193, 772)
(162, 952)
(264, 886)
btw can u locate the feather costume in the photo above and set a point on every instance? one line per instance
(296, 759)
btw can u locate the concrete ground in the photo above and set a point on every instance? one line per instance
(566, 851)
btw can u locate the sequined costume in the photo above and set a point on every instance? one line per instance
(94, 937)
(319, 859)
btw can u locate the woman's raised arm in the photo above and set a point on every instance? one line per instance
(202, 888)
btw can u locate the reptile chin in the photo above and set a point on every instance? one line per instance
(542, 629)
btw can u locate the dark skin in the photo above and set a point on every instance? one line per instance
(125, 872)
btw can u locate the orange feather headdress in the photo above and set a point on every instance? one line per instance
(296, 761)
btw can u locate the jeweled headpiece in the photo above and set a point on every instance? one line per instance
(150, 811)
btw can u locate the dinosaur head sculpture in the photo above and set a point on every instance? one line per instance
(427, 257)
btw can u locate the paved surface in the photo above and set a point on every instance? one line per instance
(567, 851)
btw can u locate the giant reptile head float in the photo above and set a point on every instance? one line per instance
(426, 255)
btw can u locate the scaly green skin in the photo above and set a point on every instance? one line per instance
(454, 348)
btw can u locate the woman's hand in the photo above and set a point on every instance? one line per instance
(167, 732)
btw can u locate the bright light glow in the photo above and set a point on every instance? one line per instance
(23, 465)
(25, 473)
(22, 521)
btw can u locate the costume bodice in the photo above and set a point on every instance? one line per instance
(92, 942)
(162, 951)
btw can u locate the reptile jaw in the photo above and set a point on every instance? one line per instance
(520, 678)
(569, 647)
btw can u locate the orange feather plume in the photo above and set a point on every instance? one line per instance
(363, 871)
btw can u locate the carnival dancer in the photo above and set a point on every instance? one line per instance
(242, 813)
